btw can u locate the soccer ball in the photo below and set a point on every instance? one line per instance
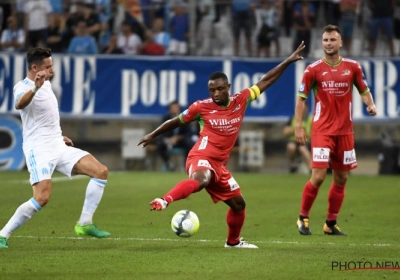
(185, 223)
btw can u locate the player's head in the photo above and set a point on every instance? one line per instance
(219, 87)
(39, 59)
(331, 40)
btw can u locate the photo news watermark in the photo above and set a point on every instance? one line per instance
(365, 265)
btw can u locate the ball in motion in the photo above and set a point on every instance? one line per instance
(185, 223)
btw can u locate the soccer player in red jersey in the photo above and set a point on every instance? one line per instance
(220, 118)
(331, 78)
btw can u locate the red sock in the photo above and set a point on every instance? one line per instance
(309, 194)
(182, 190)
(335, 200)
(235, 221)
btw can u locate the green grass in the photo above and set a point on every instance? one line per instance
(142, 245)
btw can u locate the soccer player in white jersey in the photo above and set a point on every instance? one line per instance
(46, 149)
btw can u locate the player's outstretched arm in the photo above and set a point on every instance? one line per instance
(269, 78)
(164, 127)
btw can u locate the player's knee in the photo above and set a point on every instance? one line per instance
(42, 198)
(317, 178)
(102, 172)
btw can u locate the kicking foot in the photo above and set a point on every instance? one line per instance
(158, 204)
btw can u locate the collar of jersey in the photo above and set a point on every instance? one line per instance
(229, 103)
(336, 64)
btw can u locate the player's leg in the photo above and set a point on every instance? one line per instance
(321, 146)
(200, 175)
(343, 159)
(74, 162)
(235, 220)
(40, 168)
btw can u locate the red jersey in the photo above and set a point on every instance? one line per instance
(219, 126)
(333, 88)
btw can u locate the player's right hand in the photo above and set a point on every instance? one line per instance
(300, 135)
(40, 78)
(145, 140)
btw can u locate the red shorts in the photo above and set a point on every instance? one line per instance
(338, 148)
(222, 186)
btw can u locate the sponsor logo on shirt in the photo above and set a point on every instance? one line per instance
(226, 124)
(213, 111)
(324, 73)
(335, 88)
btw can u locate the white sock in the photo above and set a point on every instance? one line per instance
(23, 213)
(94, 192)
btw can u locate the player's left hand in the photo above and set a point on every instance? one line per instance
(296, 54)
(371, 109)
(68, 141)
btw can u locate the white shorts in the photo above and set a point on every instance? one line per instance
(43, 160)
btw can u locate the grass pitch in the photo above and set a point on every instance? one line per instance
(142, 245)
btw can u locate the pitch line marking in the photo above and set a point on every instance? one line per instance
(205, 240)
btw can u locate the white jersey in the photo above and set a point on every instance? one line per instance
(41, 118)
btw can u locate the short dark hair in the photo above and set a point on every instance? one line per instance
(218, 75)
(331, 28)
(37, 55)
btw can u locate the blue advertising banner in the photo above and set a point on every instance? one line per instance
(142, 87)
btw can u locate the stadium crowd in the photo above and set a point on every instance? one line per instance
(162, 27)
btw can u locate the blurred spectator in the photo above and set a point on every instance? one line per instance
(103, 10)
(270, 18)
(303, 16)
(90, 16)
(242, 19)
(18, 10)
(396, 21)
(104, 36)
(183, 137)
(57, 6)
(381, 17)
(56, 33)
(157, 9)
(37, 17)
(112, 47)
(149, 46)
(292, 147)
(334, 13)
(128, 41)
(160, 36)
(179, 28)
(83, 42)
(287, 18)
(348, 9)
(205, 33)
(12, 38)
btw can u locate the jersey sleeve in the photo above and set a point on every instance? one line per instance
(249, 94)
(306, 83)
(190, 114)
(359, 80)
(19, 90)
